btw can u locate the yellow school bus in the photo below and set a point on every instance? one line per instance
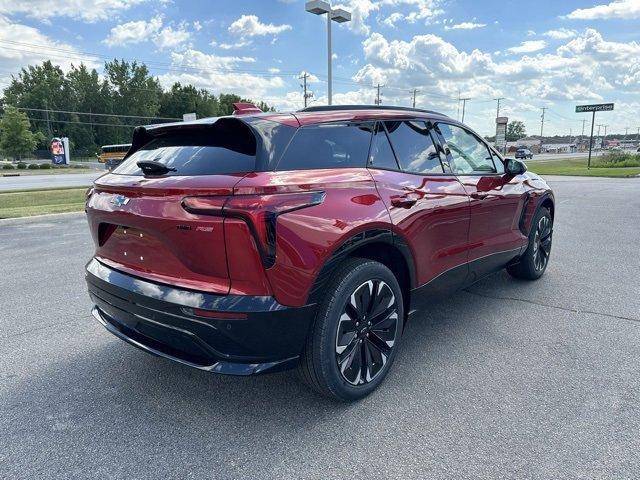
(112, 155)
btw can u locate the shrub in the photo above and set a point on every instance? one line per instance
(75, 165)
(617, 160)
(8, 166)
(33, 166)
(45, 166)
(22, 166)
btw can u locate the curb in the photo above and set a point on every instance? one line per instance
(37, 218)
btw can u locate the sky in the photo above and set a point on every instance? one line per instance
(534, 54)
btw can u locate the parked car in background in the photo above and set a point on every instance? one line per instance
(259, 242)
(524, 153)
(112, 155)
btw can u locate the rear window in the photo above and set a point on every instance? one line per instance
(226, 147)
(341, 145)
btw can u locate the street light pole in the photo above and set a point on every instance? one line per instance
(339, 15)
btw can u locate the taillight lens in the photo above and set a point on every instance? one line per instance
(259, 211)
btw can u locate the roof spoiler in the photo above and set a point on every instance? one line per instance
(245, 108)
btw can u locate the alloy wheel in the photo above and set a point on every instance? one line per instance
(542, 243)
(367, 332)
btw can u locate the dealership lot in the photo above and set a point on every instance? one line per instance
(505, 379)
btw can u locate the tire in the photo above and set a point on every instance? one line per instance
(533, 262)
(350, 366)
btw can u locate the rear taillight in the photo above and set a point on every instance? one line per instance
(259, 211)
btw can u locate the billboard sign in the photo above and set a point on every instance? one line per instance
(599, 107)
(60, 151)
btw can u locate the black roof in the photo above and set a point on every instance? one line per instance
(330, 108)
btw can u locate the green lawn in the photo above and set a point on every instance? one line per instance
(39, 202)
(578, 166)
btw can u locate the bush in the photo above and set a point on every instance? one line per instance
(77, 166)
(33, 166)
(617, 160)
(45, 166)
(22, 166)
(8, 166)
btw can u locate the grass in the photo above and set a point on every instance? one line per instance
(50, 171)
(578, 167)
(40, 202)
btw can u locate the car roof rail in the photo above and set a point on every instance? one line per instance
(337, 108)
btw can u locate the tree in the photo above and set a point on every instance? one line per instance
(515, 131)
(16, 137)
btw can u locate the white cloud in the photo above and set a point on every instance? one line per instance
(14, 57)
(586, 67)
(361, 10)
(232, 46)
(250, 26)
(560, 34)
(169, 37)
(620, 9)
(528, 46)
(133, 32)
(465, 26)
(219, 74)
(143, 31)
(86, 10)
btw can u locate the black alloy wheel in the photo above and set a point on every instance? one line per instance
(366, 332)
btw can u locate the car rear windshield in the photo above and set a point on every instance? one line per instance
(222, 148)
(335, 145)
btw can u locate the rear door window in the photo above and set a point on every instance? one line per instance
(414, 147)
(223, 148)
(342, 145)
(381, 154)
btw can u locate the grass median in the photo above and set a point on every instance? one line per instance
(578, 167)
(40, 202)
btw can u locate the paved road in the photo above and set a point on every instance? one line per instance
(508, 379)
(48, 181)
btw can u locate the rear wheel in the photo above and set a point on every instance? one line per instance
(535, 259)
(356, 332)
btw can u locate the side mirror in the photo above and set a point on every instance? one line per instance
(515, 167)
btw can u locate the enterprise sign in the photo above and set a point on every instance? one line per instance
(600, 107)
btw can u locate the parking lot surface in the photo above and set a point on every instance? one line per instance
(507, 379)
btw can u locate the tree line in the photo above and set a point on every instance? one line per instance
(115, 102)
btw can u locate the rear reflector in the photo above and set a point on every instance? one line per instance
(222, 315)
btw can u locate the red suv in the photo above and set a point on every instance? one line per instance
(263, 241)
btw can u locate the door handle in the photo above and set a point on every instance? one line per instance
(479, 195)
(403, 201)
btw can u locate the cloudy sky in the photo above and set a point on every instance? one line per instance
(544, 53)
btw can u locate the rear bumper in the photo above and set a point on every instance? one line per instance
(160, 320)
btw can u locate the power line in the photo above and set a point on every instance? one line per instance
(96, 114)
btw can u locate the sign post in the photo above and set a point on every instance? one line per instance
(599, 107)
(501, 134)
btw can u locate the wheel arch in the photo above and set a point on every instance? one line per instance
(381, 245)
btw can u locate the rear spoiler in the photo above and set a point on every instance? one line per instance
(245, 108)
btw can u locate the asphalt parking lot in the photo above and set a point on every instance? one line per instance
(505, 380)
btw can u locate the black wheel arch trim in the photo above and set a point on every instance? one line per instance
(356, 241)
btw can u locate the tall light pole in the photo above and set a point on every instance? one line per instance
(339, 15)
(464, 104)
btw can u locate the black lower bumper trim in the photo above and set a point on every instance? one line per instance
(158, 319)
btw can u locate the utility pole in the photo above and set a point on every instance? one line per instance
(464, 104)
(626, 131)
(415, 92)
(542, 122)
(458, 114)
(498, 108)
(378, 100)
(46, 113)
(304, 86)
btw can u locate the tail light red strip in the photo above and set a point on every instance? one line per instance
(259, 211)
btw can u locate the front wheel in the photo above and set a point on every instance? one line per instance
(357, 329)
(535, 259)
